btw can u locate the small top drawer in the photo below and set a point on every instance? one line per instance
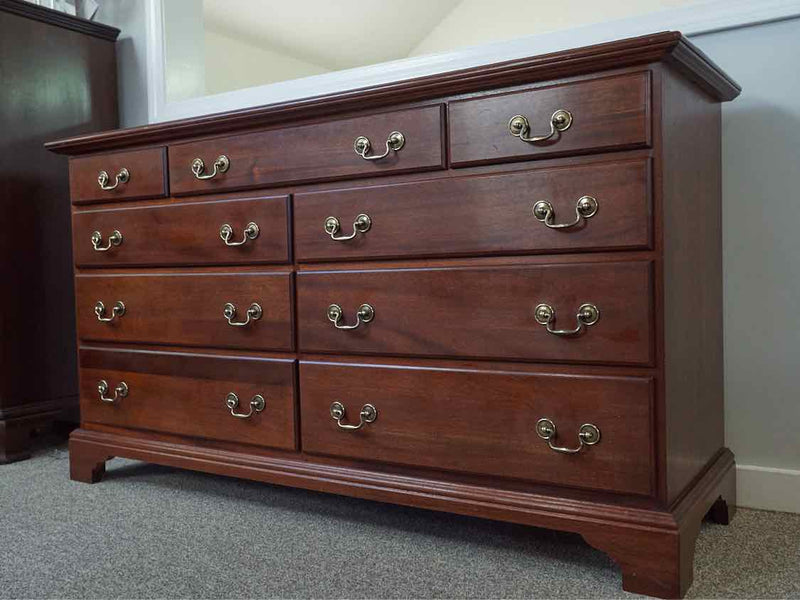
(406, 140)
(570, 118)
(118, 176)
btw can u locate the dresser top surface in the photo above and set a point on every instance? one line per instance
(671, 47)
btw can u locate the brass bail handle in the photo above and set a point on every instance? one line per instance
(119, 392)
(257, 404)
(221, 165)
(254, 313)
(360, 225)
(115, 239)
(394, 143)
(250, 233)
(117, 311)
(585, 208)
(588, 435)
(520, 127)
(588, 315)
(365, 314)
(122, 176)
(368, 414)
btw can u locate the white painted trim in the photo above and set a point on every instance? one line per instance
(714, 15)
(767, 488)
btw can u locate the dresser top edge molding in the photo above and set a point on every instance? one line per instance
(57, 18)
(669, 46)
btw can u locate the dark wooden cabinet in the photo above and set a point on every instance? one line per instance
(58, 77)
(512, 311)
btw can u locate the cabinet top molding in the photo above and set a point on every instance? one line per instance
(671, 47)
(59, 19)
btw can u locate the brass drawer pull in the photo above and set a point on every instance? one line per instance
(519, 126)
(360, 225)
(394, 142)
(117, 311)
(257, 404)
(254, 312)
(123, 176)
(221, 165)
(584, 209)
(364, 315)
(250, 233)
(115, 239)
(588, 314)
(588, 435)
(368, 415)
(119, 392)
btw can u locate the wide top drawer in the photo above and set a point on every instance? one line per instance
(571, 118)
(393, 142)
(118, 176)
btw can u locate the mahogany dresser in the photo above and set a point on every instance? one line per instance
(495, 292)
(58, 76)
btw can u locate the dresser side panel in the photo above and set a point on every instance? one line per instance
(692, 271)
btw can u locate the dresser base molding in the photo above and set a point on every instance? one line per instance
(654, 548)
(18, 425)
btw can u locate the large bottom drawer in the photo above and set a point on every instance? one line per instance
(485, 422)
(189, 394)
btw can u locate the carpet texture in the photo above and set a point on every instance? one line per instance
(154, 532)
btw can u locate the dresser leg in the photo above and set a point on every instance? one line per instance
(15, 440)
(85, 464)
(724, 507)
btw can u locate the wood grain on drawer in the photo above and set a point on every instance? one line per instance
(187, 309)
(312, 152)
(484, 421)
(482, 312)
(146, 176)
(611, 112)
(185, 394)
(484, 214)
(184, 233)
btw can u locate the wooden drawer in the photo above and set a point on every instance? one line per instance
(187, 309)
(184, 234)
(311, 152)
(186, 394)
(610, 112)
(146, 176)
(482, 312)
(484, 214)
(484, 421)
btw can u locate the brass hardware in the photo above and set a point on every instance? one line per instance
(365, 314)
(115, 239)
(119, 392)
(123, 176)
(588, 435)
(250, 233)
(254, 313)
(221, 165)
(584, 209)
(362, 145)
(519, 126)
(100, 310)
(368, 415)
(257, 404)
(360, 225)
(588, 314)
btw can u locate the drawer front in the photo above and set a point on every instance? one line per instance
(482, 214)
(484, 421)
(612, 112)
(184, 234)
(482, 312)
(311, 152)
(187, 394)
(134, 174)
(187, 309)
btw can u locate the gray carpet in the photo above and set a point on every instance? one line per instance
(153, 532)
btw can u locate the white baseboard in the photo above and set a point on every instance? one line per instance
(768, 489)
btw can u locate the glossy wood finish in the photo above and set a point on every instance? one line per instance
(454, 328)
(147, 175)
(313, 152)
(38, 371)
(481, 214)
(608, 113)
(482, 312)
(186, 308)
(185, 394)
(185, 233)
(483, 421)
